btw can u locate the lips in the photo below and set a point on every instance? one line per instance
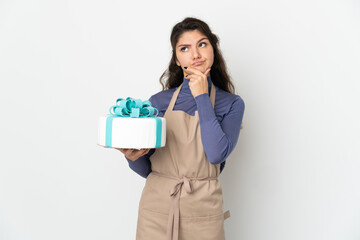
(197, 63)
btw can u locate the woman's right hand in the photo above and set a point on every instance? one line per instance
(133, 154)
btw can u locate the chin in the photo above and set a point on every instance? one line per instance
(201, 68)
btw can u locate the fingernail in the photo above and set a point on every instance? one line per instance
(185, 67)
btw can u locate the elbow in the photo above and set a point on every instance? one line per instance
(216, 161)
(146, 173)
(143, 172)
(217, 157)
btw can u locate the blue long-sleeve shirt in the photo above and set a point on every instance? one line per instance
(219, 126)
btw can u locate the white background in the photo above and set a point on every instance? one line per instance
(294, 174)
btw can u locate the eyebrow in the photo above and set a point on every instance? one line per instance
(186, 45)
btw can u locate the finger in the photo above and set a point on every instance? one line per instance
(192, 70)
(145, 152)
(142, 152)
(207, 71)
(194, 77)
(189, 76)
(138, 154)
(130, 152)
(120, 149)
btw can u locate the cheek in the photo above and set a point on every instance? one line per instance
(181, 58)
(210, 57)
(210, 54)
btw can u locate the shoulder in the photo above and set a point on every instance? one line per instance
(161, 99)
(228, 101)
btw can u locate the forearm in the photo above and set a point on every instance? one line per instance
(218, 139)
(142, 165)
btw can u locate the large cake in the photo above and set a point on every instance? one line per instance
(132, 123)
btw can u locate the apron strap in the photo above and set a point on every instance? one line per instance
(173, 99)
(176, 93)
(172, 231)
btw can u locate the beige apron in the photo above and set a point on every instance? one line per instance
(182, 198)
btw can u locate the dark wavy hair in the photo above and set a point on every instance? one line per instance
(173, 76)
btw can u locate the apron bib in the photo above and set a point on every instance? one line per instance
(182, 197)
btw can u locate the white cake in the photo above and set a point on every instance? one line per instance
(128, 132)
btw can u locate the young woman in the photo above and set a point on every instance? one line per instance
(182, 197)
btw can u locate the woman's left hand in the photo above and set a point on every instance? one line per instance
(198, 83)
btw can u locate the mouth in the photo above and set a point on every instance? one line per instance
(198, 63)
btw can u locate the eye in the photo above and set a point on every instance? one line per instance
(202, 43)
(182, 49)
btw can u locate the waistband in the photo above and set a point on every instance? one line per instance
(172, 232)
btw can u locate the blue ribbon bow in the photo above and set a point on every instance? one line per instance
(134, 108)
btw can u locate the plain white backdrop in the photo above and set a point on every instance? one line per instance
(294, 174)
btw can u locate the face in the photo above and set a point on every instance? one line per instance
(194, 49)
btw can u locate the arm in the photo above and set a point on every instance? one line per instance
(142, 165)
(219, 139)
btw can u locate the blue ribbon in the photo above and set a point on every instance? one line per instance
(134, 108)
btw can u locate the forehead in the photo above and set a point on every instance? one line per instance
(190, 37)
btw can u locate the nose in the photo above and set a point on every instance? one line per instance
(196, 53)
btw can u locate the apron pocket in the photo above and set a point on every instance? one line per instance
(151, 225)
(203, 228)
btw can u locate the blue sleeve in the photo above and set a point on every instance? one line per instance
(142, 165)
(219, 139)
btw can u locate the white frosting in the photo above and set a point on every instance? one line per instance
(132, 132)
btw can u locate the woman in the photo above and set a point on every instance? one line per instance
(182, 197)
